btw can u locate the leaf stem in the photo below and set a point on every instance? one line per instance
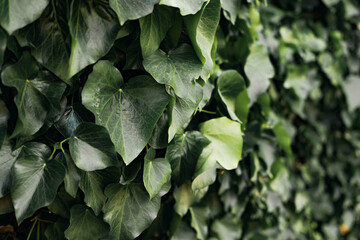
(61, 143)
(209, 112)
(32, 228)
(38, 231)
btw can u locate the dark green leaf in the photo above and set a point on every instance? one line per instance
(202, 28)
(7, 159)
(85, 225)
(3, 40)
(129, 211)
(49, 38)
(91, 148)
(14, 14)
(38, 97)
(154, 28)
(68, 122)
(72, 175)
(93, 28)
(129, 112)
(35, 179)
(4, 117)
(179, 69)
(93, 185)
(183, 154)
(132, 9)
(56, 230)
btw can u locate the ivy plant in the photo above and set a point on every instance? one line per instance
(179, 119)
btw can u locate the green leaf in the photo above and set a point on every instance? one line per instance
(93, 28)
(35, 179)
(154, 28)
(38, 97)
(132, 9)
(14, 14)
(181, 111)
(3, 41)
(93, 185)
(179, 68)
(199, 217)
(129, 211)
(331, 67)
(232, 91)
(6, 205)
(4, 117)
(350, 86)
(91, 148)
(56, 231)
(7, 159)
(227, 228)
(183, 154)
(72, 174)
(202, 28)
(259, 71)
(85, 225)
(49, 38)
(129, 112)
(231, 9)
(205, 171)
(157, 172)
(226, 141)
(186, 6)
(185, 198)
(159, 138)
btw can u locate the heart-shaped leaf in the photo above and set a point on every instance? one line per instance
(186, 6)
(129, 211)
(178, 69)
(128, 111)
(91, 148)
(35, 179)
(85, 225)
(157, 172)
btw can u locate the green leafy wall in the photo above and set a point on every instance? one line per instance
(179, 119)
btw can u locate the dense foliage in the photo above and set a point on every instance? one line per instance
(179, 119)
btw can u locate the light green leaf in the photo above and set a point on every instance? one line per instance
(157, 172)
(231, 9)
(259, 71)
(202, 28)
(331, 67)
(199, 217)
(91, 148)
(185, 197)
(93, 185)
(186, 6)
(298, 81)
(49, 38)
(129, 211)
(129, 112)
(227, 228)
(183, 154)
(35, 179)
(93, 28)
(154, 28)
(226, 141)
(233, 92)
(132, 9)
(85, 225)
(351, 87)
(179, 68)
(38, 97)
(15, 14)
